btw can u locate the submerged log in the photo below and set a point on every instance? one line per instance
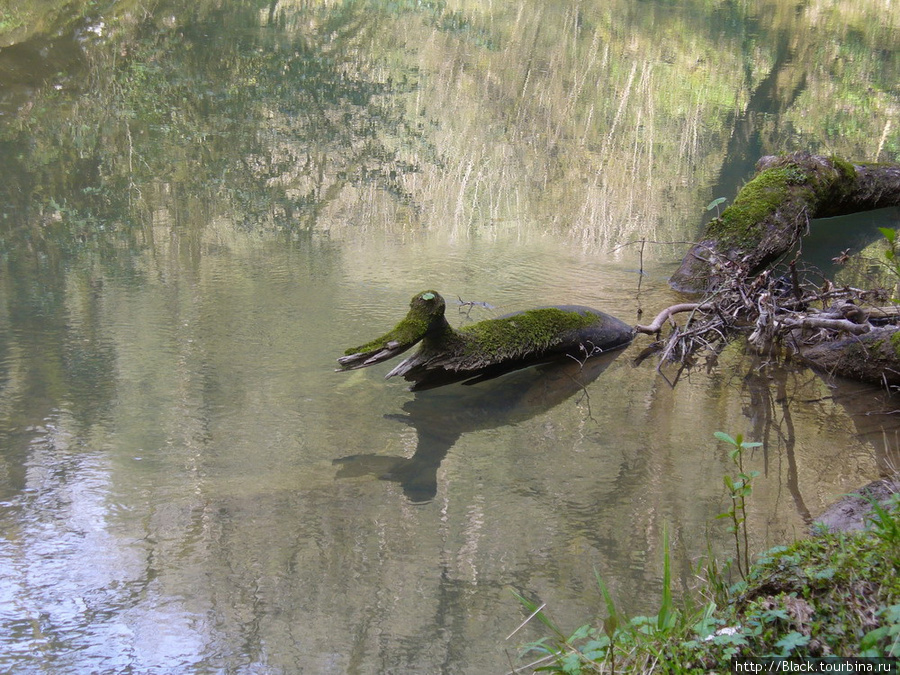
(773, 211)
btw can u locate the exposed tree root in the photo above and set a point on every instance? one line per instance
(846, 331)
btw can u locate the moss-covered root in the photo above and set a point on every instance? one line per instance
(425, 316)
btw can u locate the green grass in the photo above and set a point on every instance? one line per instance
(832, 595)
(835, 594)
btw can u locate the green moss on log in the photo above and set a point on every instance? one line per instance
(530, 332)
(742, 225)
(424, 309)
(773, 211)
(844, 167)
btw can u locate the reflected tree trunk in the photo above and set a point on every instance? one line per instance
(774, 94)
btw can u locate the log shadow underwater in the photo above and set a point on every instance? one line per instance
(441, 416)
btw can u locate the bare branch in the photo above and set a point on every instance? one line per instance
(656, 325)
(829, 324)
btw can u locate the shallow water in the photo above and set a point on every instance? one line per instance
(186, 485)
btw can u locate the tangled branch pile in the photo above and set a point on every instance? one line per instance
(846, 331)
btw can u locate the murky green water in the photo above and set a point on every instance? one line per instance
(203, 205)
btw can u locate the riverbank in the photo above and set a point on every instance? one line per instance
(836, 593)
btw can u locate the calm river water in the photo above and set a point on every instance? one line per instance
(203, 204)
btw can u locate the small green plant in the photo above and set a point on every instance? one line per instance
(837, 594)
(714, 204)
(739, 490)
(890, 235)
(882, 521)
(884, 640)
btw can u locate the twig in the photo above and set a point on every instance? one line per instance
(521, 625)
(770, 310)
(543, 659)
(470, 304)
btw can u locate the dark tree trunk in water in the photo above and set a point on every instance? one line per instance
(871, 357)
(769, 216)
(772, 212)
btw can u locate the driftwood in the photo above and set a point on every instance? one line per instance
(490, 348)
(847, 332)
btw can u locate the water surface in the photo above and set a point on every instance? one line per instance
(208, 204)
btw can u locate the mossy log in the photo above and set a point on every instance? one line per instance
(490, 348)
(769, 216)
(773, 211)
